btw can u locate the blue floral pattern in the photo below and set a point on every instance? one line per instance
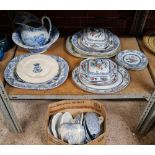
(132, 59)
(37, 68)
(39, 49)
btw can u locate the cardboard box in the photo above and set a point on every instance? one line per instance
(75, 107)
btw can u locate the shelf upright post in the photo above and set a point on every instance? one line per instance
(148, 116)
(8, 111)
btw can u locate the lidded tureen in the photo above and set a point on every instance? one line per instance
(98, 71)
(97, 38)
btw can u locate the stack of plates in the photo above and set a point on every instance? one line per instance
(132, 59)
(36, 71)
(93, 42)
(149, 41)
(101, 76)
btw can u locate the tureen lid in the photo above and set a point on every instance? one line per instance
(98, 35)
(98, 66)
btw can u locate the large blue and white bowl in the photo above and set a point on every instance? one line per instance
(39, 49)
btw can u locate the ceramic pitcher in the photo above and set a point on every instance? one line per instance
(35, 33)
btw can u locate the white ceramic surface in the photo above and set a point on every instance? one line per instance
(66, 118)
(54, 124)
(72, 133)
(37, 68)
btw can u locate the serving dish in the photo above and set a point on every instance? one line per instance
(15, 81)
(122, 81)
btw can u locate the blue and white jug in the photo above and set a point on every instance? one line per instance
(34, 33)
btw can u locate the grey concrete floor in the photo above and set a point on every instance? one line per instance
(122, 119)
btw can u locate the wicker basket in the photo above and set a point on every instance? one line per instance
(74, 107)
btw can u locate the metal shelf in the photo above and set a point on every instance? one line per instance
(140, 87)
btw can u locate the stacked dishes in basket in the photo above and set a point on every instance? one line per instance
(36, 71)
(101, 76)
(93, 42)
(33, 35)
(80, 129)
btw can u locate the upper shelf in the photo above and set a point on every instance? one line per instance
(141, 85)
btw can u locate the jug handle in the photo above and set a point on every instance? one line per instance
(50, 24)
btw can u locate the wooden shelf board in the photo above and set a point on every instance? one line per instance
(141, 84)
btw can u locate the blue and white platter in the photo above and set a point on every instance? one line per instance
(71, 50)
(40, 49)
(12, 78)
(110, 50)
(132, 59)
(122, 82)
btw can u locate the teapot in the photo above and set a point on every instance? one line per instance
(35, 33)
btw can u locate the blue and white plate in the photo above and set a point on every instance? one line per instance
(40, 49)
(13, 80)
(132, 59)
(122, 82)
(110, 50)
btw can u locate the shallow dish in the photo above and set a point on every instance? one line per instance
(37, 68)
(40, 49)
(132, 59)
(122, 82)
(13, 80)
